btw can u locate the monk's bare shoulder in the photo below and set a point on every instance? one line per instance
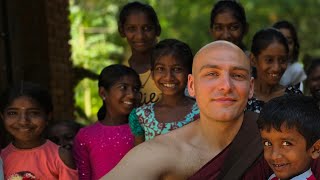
(154, 159)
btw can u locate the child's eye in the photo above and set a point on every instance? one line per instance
(283, 61)
(267, 143)
(286, 143)
(217, 28)
(159, 69)
(268, 60)
(12, 113)
(147, 28)
(136, 89)
(34, 114)
(122, 87)
(177, 69)
(130, 28)
(235, 27)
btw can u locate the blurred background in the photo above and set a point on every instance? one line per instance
(64, 45)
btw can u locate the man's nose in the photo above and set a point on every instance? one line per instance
(226, 82)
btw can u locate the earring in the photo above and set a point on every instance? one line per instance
(104, 98)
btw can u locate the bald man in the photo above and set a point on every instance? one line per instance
(221, 83)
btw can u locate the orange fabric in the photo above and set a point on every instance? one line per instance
(42, 162)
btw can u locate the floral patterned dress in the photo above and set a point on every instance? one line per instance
(256, 105)
(143, 122)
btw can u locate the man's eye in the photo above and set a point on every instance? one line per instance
(238, 76)
(212, 74)
(11, 113)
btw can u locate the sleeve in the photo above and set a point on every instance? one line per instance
(81, 157)
(67, 173)
(135, 126)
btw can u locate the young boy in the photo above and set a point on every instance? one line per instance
(290, 128)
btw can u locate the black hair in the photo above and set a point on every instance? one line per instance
(263, 38)
(314, 64)
(75, 126)
(228, 5)
(293, 111)
(136, 6)
(33, 91)
(287, 25)
(175, 48)
(237, 11)
(111, 75)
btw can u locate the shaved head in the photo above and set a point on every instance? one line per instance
(208, 49)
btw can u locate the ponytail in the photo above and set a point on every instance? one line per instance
(102, 112)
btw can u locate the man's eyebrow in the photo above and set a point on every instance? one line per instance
(207, 66)
(241, 69)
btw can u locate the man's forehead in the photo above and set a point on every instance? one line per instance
(221, 52)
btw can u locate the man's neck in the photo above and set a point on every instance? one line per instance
(219, 134)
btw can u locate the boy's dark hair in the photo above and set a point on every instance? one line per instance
(293, 111)
(37, 93)
(287, 25)
(136, 6)
(263, 38)
(111, 75)
(175, 48)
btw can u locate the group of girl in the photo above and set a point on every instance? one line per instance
(144, 99)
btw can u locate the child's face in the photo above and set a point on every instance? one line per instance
(314, 82)
(140, 32)
(286, 32)
(227, 27)
(25, 121)
(271, 63)
(170, 75)
(123, 96)
(62, 135)
(286, 152)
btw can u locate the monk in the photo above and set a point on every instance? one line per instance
(219, 144)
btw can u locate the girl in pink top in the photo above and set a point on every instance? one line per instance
(26, 110)
(99, 147)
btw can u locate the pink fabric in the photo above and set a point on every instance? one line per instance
(42, 162)
(98, 148)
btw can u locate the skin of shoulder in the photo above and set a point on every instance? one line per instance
(160, 158)
(66, 157)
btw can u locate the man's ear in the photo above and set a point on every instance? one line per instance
(1, 116)
(253, 60)
(191, 89)
(102, 93)
(314, 150)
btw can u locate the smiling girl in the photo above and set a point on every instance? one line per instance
(26, 110)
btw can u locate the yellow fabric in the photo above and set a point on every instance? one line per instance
(149, 91)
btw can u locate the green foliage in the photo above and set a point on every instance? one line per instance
(96, 43)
